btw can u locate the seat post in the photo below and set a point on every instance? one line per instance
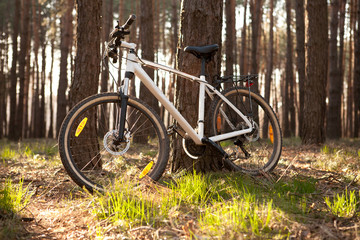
(203, 64)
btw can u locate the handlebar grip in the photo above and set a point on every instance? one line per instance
(130, 20)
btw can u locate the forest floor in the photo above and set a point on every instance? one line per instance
(296, 191)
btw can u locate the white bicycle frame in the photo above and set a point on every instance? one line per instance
(133, 65)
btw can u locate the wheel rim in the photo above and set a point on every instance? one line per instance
(93, 157)
(262, 146)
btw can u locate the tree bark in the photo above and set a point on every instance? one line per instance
(255, 9)
(229, 38)
(147, 49)
(42, 121)
(25, 23)
(35, 120)
(107, 22)
(333, 120)
(209, 14)
(85, 82)
(289, 113)
(51, 110)
(300, 60)
(270, 63)
(13, 75)
(342, 58)
(243, 65)
(357, 75)
(65, 42)
(316, 72)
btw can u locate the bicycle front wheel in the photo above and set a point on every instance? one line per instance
(254, 152)
(93, 156)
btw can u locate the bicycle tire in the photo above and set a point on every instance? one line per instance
(88, 149)
(263, 146)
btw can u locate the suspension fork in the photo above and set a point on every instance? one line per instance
(123, 91)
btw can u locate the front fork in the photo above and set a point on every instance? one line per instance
(123, 91)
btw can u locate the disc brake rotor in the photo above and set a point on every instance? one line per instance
(116, 149)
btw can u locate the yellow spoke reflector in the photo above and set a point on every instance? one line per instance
(271, 134)
(146, 170)
(81, 127)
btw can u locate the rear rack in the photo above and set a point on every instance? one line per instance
(235, 80)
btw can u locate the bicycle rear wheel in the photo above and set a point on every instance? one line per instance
(90, 152)
(255, 152)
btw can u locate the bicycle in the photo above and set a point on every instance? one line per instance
(109, 136)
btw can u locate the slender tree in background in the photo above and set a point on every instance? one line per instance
(270, 63)
(333, 119)
(256, 13)
(42, 110)
(51, 121)
(147, 49)
(107, 18)
(24, 34)
(300, 59)
(316, 72)
(288, 98)
(349, 130)
(341, 59)
(230, 37)
(13, 76)
(35, 118)
(209, 14)
(357, 75)
(65, 40)
(242, 61)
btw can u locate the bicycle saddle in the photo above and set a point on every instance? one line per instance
(203, 51)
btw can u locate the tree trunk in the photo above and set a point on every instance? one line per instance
(65, 42)
(242, 61)
(300, 60)
(25, 127)
(51, 110)
(342, 58)
(357, 75)
(147, 49)
(107, 22)
(229, 38)
(87, 61)
(13, 76)
(25, 20)
(316, 72)
(209, 14)
(350, 96)
(333, 120)
(42, 121)
(174, 27)
(269, 67)
(36, 93)
(255, 9)
(289, 114)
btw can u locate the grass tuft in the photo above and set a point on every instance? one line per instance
(13, 198)
(343, 205)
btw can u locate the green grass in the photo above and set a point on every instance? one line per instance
(13, 197)
(222, 205)
(343, 205)
(7, 153)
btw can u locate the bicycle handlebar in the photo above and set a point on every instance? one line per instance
(118, 34)
(128, 22)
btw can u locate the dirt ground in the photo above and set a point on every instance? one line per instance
(57, 210)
